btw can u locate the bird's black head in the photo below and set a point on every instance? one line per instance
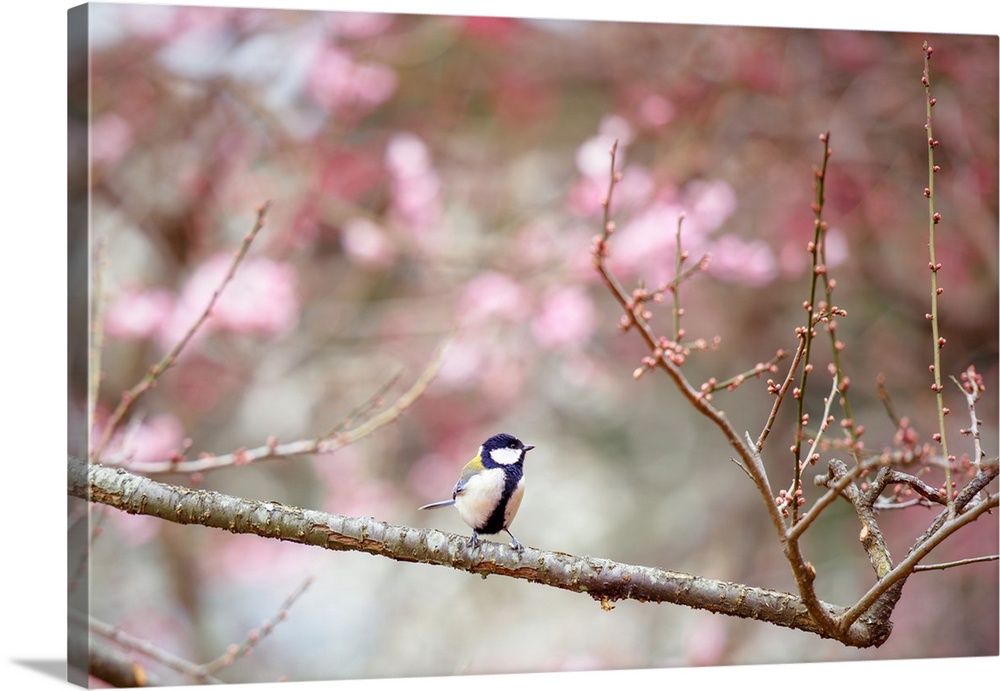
(504, 449)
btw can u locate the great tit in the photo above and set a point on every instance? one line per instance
(489, 491)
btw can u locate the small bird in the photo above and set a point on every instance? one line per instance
(489, 492)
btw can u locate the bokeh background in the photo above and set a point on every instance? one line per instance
(436, 178)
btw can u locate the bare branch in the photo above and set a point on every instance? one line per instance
(257, 635)
(199, 673)
(972, 388)
(336, 438)
(933, 218)
(905, 567)
(951, 564)
(779, 393)
(190, 670)
(604, 580)
(129, 398)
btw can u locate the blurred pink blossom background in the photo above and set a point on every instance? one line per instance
(440, 179)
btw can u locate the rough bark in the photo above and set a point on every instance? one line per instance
(604, 580)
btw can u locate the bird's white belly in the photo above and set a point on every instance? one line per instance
(480, 497)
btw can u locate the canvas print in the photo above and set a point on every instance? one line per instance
(412, 345)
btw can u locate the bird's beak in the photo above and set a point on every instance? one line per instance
(529, 447)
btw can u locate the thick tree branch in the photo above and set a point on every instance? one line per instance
(898, 575)
(602, 579)
(882, 597)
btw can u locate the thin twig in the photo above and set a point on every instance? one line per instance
(373, 402)
(755, 371)
(933, 218)
(825, 423)
(972, 390)
(675, 286)
(112, 633)
(808, 331)
(326, 444)
(892, 505)
(896, 477)
(794, 494)
(883, 395)
(129, 398)
(803, 572)
(949, 564)
(779, 393)
(257, 635)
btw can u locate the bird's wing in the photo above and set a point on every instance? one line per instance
(473, 467)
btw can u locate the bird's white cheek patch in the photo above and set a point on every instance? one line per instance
(480, 496)
(506, 456)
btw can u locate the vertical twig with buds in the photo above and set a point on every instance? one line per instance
(934, 218)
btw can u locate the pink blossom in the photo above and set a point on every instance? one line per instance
(462, 366)
(260, 299)
(110, 139)
(137, 315)
(492, 296)
(837, 247)
(199, 43)
(743, 261)
(366, 243)
(360, 24)
(483, 363)
(656, 111)
(708, 203)
(406, 155)
(587, 195)
(415, 185)
(646, 244)
(593, 157)
(793, 258)
(336, 81)
(146, 441)
(501, 375)
(593, 161)
(566, 319)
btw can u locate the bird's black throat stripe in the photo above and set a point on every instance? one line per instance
(495, 523)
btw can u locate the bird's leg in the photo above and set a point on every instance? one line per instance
(474, 540)
(516, 545)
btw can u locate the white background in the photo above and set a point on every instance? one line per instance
(33, 336)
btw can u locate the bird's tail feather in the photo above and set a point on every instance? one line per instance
(437, 504)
